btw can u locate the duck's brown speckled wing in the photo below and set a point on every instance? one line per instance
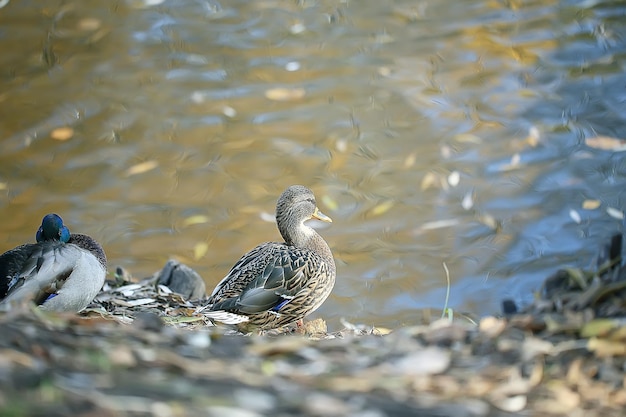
(242, 273)
(266, 279)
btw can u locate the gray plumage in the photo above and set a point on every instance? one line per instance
(279, 283)
(58, 276)
(182, 280)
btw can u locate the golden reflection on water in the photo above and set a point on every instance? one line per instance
(131, 120)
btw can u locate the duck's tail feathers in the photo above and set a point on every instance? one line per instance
(225, 317)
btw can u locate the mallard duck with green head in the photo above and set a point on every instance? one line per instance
(63, 271)
(276, 284)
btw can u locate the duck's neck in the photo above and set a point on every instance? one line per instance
(300, 236)
(306, 237)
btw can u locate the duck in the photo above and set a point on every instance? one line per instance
(62, 272)
(278, 283)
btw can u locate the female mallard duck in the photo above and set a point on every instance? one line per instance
(63, 271)
(279, 283)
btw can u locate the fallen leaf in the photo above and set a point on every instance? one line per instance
(297, 27)
(329, 202)
(133, 303)
(128, 290)
(511, 404)
(409, 161)
(454, 178)
(181, 319)
(615, 213)
(382, 208)
(439, 224)
(62, 133)
(575, 372)
(468, 201)
(492, 326)
(200, 249)
(428, 361)
(606, 348)
(468, 138)
(533, 346)
(285, 94)
(591, 204)
(316, 326)
(198, 219)
(429, 180)
(489, 221)
(533, 137)
(229, 111)
(162, 289)
(381, 331)
(141, 168)
(563, 400)
(89, 24)
(606, 143)
(599, 327)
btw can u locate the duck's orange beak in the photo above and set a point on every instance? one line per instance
(321, 216)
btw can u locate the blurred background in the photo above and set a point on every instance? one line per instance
(483, 134)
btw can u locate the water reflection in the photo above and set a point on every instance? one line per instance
(412, 122)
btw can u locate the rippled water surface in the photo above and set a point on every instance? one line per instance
(431, 132)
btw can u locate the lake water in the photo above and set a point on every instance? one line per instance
(432, 132)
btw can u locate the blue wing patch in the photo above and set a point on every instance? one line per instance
(280, 305)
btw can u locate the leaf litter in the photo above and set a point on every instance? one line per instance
(141, 348)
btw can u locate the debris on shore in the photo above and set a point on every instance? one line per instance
(140, 349)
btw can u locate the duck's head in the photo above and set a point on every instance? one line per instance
(52, 228)
(295, 206)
